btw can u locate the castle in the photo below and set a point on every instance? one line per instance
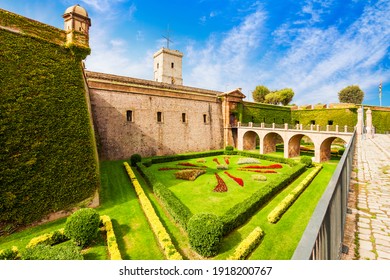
(59, 119)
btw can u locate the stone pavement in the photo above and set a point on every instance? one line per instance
(368, 226)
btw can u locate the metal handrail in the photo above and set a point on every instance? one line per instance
(322, 238)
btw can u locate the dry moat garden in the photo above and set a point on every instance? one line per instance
(212, 205)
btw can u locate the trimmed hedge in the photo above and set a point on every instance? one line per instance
(275, 215)
(158, 228)
(247, 245)
(52, 238)
(83, 226)
(205, 233)
(10, 254)
(65, 251)
(47, 156)
(179, 212)
(242, 211)
(112, 244)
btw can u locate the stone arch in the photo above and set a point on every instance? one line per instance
(326, 148)
(294, 145)
(250, 140)
(269, 142)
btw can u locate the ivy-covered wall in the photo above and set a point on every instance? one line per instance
(339, 116)
(47, 155)
(381, 121)
(264, 113)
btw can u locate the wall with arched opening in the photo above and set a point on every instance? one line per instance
(269, 142)
(294, 144)
(250, 140)
(326, 147)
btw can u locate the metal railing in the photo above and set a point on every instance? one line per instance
(323, 236)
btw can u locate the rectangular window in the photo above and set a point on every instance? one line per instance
(129, 115)
(172, 65)
(159, 117)
(312, 122)
(183, 117)
(330, 122)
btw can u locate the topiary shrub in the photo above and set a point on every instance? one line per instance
(341, 151)
(307, 161)
(229, 150)
(83, 226)
(205, 233)
(134, 159)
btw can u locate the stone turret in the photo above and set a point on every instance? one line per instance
(76, 25)
(168, 66)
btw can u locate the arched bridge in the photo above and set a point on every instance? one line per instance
(266, 136)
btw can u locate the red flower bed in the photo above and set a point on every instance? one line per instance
(216, 160)
(272, 166)
(238, 180)
(221, 186)
(227, 160)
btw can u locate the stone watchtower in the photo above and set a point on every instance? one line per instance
(168, 66)
(77, 25)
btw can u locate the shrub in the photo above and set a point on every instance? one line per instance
(341, 151)
(247, 245)
(259, 177)
(65, 251)
(229, 150)
(83, 226)
(205, 233)
(189, 174)
(134, 159)
(222, 167)
(275, 215)
(247, 160)
(112, 244)
(52, 238)
(148, 163)
(306, 161)
(9, 254)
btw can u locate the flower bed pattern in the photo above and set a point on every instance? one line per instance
(189, 174)
(216, 160)
(272, 166)
(221, 186)
(257, 170)
(238, 180)
(227, 160)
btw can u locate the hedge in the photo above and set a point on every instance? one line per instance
(179, 212)
(275, 215)
(47, 157)
(247, 245)
(242, 211)
(52, 238)
(112, 244)
(10, 254)
(158, 228)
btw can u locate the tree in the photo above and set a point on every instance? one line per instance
(259, 93)
(272, 98)
(285, 96)
(351, 94)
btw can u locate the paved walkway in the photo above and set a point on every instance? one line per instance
(370, 202)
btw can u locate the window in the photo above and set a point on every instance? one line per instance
(159, 117)
(296, 122)
(129, 115)
(330, 122)
(172, 65)
(312, 122)
(183, 117)
(204, 118)
(263, 120)
(158, 65)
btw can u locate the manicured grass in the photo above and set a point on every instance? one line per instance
(199, 196)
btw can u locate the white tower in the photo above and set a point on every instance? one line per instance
(168, 66)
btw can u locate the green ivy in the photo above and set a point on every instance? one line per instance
(259, 113)
(47, 158)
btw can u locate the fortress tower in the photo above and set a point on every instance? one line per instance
(168, 66)
(76, 24)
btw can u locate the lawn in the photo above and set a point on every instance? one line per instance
(199, 195)
(136, 240)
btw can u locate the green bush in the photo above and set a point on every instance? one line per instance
(9, 254)
(65, 251)
(83, 226)
(306, 161)
(341, 151)
(134, 159)
(229, 150)
(180, 213)
(205, 233)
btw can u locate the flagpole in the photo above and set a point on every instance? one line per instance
(380, 94)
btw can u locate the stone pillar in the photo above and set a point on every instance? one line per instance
(250, 124)
(262, 125)
(273, 125)
(337, 128)
(359, 125)
(345, 128)
(286, 126)
(369, 123)
(318, 127)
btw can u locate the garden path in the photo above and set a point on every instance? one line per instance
(371, 201)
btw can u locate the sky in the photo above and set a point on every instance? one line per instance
(315, 47)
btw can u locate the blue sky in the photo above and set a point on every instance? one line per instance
(315, 47)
